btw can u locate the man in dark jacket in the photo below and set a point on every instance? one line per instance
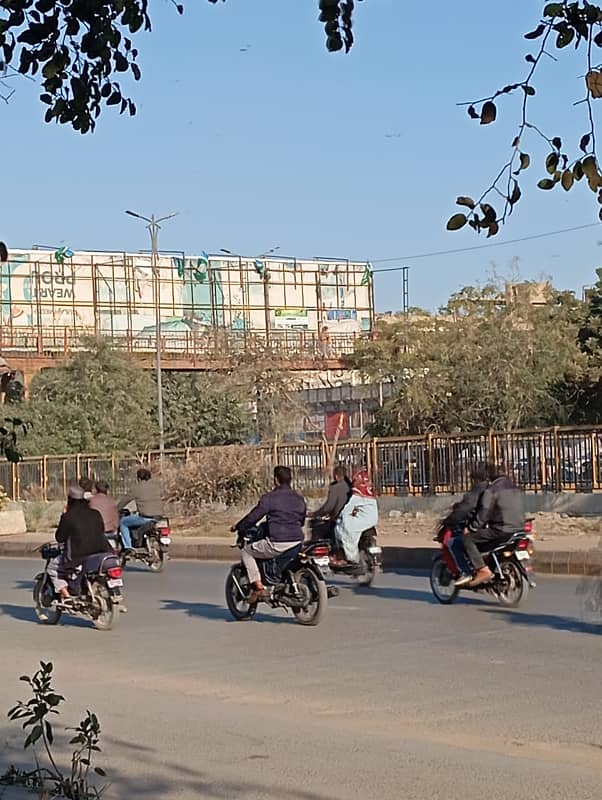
(81, 531)
(146, 494)
(339, 493)
(500, 514)
(285, 512)
(461, 514)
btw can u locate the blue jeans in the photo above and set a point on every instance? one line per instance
(132, 521)
(456, 548)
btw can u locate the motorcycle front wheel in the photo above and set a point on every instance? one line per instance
(316, 594)
(442, 582)
(515, 588)
(237, 602)
(45, 601)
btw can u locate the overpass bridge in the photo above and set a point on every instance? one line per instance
(183, 352)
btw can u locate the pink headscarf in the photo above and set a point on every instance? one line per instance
(362, 484)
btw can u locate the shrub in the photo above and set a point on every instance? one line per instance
(230, 475)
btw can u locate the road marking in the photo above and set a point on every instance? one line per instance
(344, 608)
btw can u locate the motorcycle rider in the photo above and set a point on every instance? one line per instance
(285, 513)
(339, 493)
(146, 494)
(359, 514)
(81, 531)
(461, 514)
(499, 515)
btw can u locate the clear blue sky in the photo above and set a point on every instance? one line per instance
(287, 145)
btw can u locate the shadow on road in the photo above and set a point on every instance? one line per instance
(215, 612)
(552, 621)
(23, 613)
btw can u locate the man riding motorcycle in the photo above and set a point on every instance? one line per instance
(339, 493)
(499, 515)
(146, 494)
(81, 531)
(460, 515)
(285, 512)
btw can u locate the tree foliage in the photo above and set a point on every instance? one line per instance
(202, 409)
(80, 50)
(100, 401)
(486, 361)
(563, 24)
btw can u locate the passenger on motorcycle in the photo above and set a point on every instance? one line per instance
(359, 514)
(106, 506)
(146, 494)
(285, 512)
(499, 515)
(80, 530)
(461, 514)
(339, 493)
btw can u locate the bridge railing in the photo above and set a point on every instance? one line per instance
(208, 343)
(542, 460)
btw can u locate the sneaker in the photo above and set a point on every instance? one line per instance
(123, 609)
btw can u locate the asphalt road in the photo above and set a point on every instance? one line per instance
(392, 696)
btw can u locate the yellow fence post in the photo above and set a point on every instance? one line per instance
(431, 463)
(556, 453)
(595, 451)
(45, 477)
(15, 481)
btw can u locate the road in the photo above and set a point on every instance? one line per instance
(392, 696)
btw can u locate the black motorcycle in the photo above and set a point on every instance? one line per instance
(511, 564)
(370, 562)
(95, 589)
(292, 579)
(150, 543)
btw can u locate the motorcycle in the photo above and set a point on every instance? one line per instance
(511, 563)
(95, 589)
(369, 565)
(150, 543)
(294, 582)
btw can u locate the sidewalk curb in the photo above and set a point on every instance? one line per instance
(555, 562)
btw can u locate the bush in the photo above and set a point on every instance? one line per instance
(229, 475)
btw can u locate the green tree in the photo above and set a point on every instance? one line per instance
(100, 401)
(485, 361)
(81, 50)
(202, 409)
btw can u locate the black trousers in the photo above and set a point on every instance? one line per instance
(482, 540)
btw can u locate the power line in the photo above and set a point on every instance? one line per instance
(477, 247)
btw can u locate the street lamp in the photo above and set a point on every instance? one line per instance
(153, 225)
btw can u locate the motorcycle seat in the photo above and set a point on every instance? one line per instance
(100, 563)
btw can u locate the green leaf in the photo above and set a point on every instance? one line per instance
(488, 113)
(565, 37)
(578, 171)
(525, 160)
(567, 180)
(552, 163)
(456, 222)
(529, 90)
(546, 183)
(539, 31)
(553, 10)
(466, 201)
(584, 143)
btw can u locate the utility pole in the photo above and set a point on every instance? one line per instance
(153, 226)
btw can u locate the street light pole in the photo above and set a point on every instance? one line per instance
(153, 226)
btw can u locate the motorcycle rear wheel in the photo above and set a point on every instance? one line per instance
(109, 612)
(442, 582)
(517, 586)
(237, 604)
(313, 612)
(368, 572)
(47, 615)
(156, 558)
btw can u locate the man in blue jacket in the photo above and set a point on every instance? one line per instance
(285, 512)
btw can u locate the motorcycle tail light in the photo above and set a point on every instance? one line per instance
(528, 527)
(523, 544)
(114, 572)
(165, 531)
(323, 550)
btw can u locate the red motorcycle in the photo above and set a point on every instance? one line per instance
(511, 564)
